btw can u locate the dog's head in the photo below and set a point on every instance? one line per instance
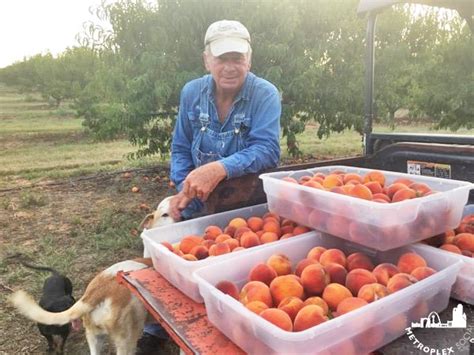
(160, 217)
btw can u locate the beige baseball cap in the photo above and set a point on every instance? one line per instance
(227, 36)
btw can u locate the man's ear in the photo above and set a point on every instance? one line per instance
(205, 59)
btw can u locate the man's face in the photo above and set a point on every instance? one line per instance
(228, 70)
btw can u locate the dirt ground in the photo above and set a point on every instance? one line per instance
(79, 227)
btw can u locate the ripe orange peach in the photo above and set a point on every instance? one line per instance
(290, 179)
(467, 224)
(262, 272)
(278, 317)
(249, 239)
(332, 180)
(302, 264)
(350, 304)
(337, 273)
(393, 188)
(219, 249)
(383, 272)
(207, 243)
(372, 292)
(314, 184)
(333, 256)
(255, 223)
(316, 252)
(420, 188)
(400, 281)
(338, 190)
(361, 191)
(409, 262)
(317, 301)
(271, 215)
(403, 194)
(268, 237)
(309, 316)
(239, 231)
(465, 241)
(357, 278)
(381, 196)
(233, 243)
(230, 230)
(280, 263)
(334, 293)
(256, 307)
(168, 246)
(286, 286)
(375, 175)
(189, 257)
(374, 187)
(286, 236)
(300, 230)
(291, 305)
(211, 232)
(286, 229)
(238, 222)
(200, 252)
(256, 291)
(359, 260)
(304, 178)
(229, 288)
(451, 247)
(273, 227)
(352, 176)
(422, 272)
(189, 242)
(404, 181)
(314, 279)
(221, 237)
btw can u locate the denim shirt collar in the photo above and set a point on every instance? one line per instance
(244, 92)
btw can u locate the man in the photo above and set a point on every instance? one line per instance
(228, 123)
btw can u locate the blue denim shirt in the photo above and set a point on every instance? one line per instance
(247, 141)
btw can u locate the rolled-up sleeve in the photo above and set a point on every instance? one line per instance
(263, 141)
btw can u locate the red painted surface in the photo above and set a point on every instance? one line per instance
(185, 320)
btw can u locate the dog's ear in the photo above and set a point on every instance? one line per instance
(147, 222)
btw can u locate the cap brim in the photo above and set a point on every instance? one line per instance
(227, 45)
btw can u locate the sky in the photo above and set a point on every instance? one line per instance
(29, 27)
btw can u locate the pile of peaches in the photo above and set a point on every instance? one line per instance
(239, 234)
(324, 285)
(370, 186)
(459, 240)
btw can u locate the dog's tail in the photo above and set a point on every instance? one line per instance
(30, 309)
(41, 268)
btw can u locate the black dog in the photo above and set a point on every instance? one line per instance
(57, 297)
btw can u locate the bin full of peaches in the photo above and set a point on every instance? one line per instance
(379, 209)
(179, 249)
(321, 292)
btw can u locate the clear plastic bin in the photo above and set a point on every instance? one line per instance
(360, 331)
(376, 225)
(175, 269)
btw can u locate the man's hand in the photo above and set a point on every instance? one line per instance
(177, 204)
(203, 180)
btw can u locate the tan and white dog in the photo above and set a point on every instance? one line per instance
(106, 308)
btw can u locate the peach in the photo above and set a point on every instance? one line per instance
(383, 272)
(317, 218)
(396, 324)
(233, 243)
(229, 288)
(403, 194)
(287, 222)
(314, 184)
(372, 292)
(350, 304)
(286, 286)
(337, 273)
(207, 243)
(286, 229)
(222, 237)
(262, 272)
(238, 249)
(256, 291)
(280, 263)
(333, 256)
(239, 231)
(337, 225)
(361, 191)
(168, 246)
(352, 176)
(268, 237)
(467, 224)
(278, 317)
(381, 196)
(304, 178)
(467, 253)
(230, 230)
(255, 223)
(273, 227)
(211, 232)
(393, 188)
(338, 190)
(400, 281)
(291, 305)
(334, 293)
(317, 301)
(200, 252)
(189, 242)
(238, 222)
(374, 187)
(357, 278)
(309, 316)
(314, 279)
(409, 262)
(249, 239)
(375, 175)
(421, 189)
(286, 236)
(404, 181)
(290, 179)
(359, 261)
(422, 272)
(271, 215)
(256, 307)
(465, 241)
(302, 264)
(300, 230)
(332, 180)
(219, 249)
(189, 257)
(316, 252)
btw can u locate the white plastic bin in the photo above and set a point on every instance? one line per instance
(179, 271)
(360, 331)
(376, 225)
